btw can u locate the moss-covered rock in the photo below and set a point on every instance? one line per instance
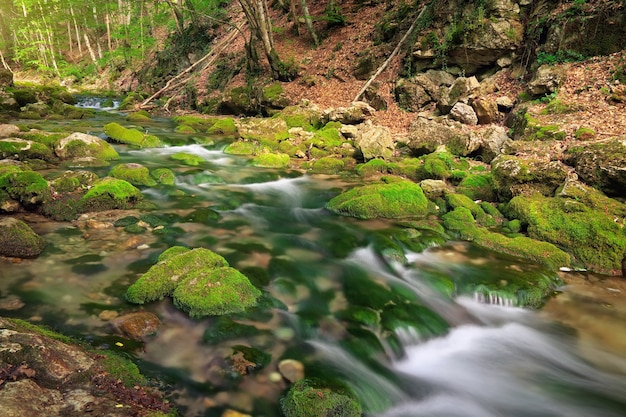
(71, 181)
(271, 160)
(139, 117)
(27, 187)
(396, 198)
(110, 193)
(328, 165)
(304, 116)
(132, 137)
(163, 176)
(477, 187)
(23, 149)
(196, 123)
(18, 240)
(214, 292)
(223, 126)
(513, 175)
(462, 222)
(241, 148)
(187, 158)
(134, 173)
(81, 145)
(312, 398)
(594, 233)
(439, 165)
(267, 132)
(172, 268)
(601, 164)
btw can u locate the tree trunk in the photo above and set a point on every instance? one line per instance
(80, 47)
(90, 49)
(309, 22)
(107, 20)
(294, 16)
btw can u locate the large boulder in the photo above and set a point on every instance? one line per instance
(515, 176)
(546, 80)
(110, 193)
(426, 135)
(396, 198)
(374, 141)
(581, 220)
(463, 90)
(464, 113)
(23, 149)
(493, 140)
(601, 164)
(312, 398)
(134, 173)
(18, 240)
(81, 145)
(29, 188)
(7, 130)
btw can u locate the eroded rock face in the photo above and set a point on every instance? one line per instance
(602, 165)
(426, 135)
(375, 142)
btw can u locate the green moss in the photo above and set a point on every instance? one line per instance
(461, 222)
(397, 199)
(460, 200)
(135, 174)
(372, 167)
(23, 325)
(71, 181)
(199, 124)
(110, 193)
(185, 129)
(584, 133)
(214, 292)
(187, 158)
(591, 234)
(312, 398)
(477, 187)
(241, 148)
(271, 160)
(163, 176)
(326, 138)
(24, 149)
(439, 165)
(131, 137)
(130, 100)
(139, 117)
(173, 267)
(17, 239)
(122, 369)
(328, 165)
(223, 126)
(75, 147)
(27, 187)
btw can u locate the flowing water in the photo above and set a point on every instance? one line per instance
(409, 335)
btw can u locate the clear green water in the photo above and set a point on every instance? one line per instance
(410, 338)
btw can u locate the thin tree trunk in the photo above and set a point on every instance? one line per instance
(107, 20)
(294, 16)
(90, 49)
(69, 37)
(80, 46)
(4, 63)
(309, 22)
(393, 54)
(95, 19)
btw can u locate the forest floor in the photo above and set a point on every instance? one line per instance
(326, 74)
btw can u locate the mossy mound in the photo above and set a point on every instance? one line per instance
(589, 232)
(439, 165)
(462, 222)
(163, 176)
(187, 158)
(223, 126)
(200, 282)
(477, 187)
(110, 193)
(18, 240)
(81, 145)
(271, 160)
(139, 117)
(136, 174)
(23, 149)
(513, 175)
(132, 137)
(196, 123)
(173, 265)
(27, 187)
(266, 132)
(308, 118)
(312, 398)
(213, 292)
(328, 165)
(71, 181)
(395, 198)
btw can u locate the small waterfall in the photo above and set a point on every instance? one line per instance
(98, 103)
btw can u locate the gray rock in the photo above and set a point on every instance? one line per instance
(375, 142)
(356, 113)
(464, 113)
(515, 176)
(493, 138)
(462, 90)
(426, 135)
(546, 80)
